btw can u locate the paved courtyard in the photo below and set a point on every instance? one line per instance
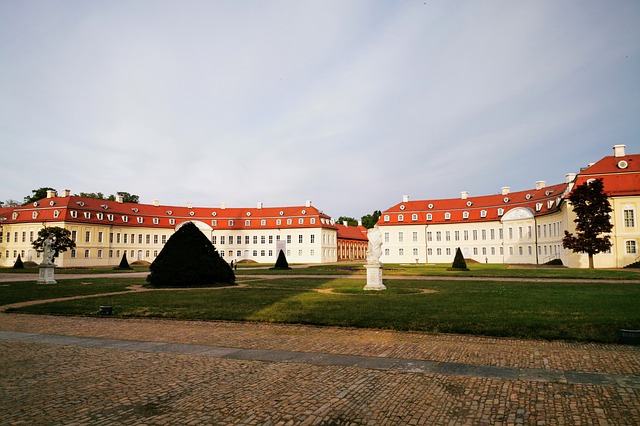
(61, 370)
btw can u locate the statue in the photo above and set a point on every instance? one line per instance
(374, 250)
(48, 250)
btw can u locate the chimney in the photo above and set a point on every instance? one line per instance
(540, 184)
(506, 190)
(119, 199)
(464, 195)
(156, 203)
(189, 205)
(259, 205)
(360, 223)
(618, 150)
(405, 198)
(66, 192)
(345, 223)
(569, 177)
(51, 193)
(223, 205)
(307, 203)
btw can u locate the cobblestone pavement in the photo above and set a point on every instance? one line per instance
(62, 370)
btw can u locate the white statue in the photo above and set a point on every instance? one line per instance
(48, 250)
(374, 250)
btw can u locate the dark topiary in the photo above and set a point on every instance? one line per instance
(458, 262)
(18, 264)
(189, 259)
(124, 264)
(281, 262)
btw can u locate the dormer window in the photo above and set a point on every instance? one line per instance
(87, 215)
(156, 221)
(289, 221)
(34, 215)
(465, 215)
(56, 213)
(469, 203)
(80, 203)
(100, 216)
(400, 218)
(104, 206)
(110, 217)
(125, 218)
(140, 219)
(192, 213)
(214, 222)
(550, 204)
(169, 212)
(483, 213)
(301, 221)
(386, 218)
(500, 212)
(313, 220)
(134, 209)
(247, 222)
(278, 222)
(263, 222)
(447, 216)
(429, 216)
(74, 214)
(172, 221)
(231, 223)
(538, 207)
(414, 217)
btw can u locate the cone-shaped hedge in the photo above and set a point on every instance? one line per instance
(124, 264)
(188, 259)
(459, 263)
(18, 264)
(281, 262)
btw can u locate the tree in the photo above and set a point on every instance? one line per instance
(350, 221)
(38, 194)
(188, 259)
(281, 262)
(370, 220)
(96, 195)
(459, 263)
(126, 197)
(592, 208)
(61, 239)
(11, 203)
(18, 264)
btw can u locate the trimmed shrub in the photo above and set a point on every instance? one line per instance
(459, 263)
(281, 262)
(188, 259)
(18, 264)
(124, 264)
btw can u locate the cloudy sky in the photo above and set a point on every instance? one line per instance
(351, 104)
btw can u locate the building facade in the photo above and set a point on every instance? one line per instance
(104, 230)
(352, 242)
(523, 227)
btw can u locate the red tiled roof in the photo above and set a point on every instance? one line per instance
(479, 209)
(618, 181)
(89, 210)
(352, 232)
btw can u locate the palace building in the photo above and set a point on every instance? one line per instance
(104, 230)
(522, 227)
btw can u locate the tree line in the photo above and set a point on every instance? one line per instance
(40, 193)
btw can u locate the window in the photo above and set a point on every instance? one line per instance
(484, 251)
(222, 239)
(56, 213)
(386, 237)
(438, 235)
(74, 214)
(447, 216)
(125, 219)
(155, 221)
(629, 218)
(110, 253)
(400, 237)
(239, 239)
(484, 234)
(313, 221)
(429, 216)
(483, 213)
(155, 239)
(500, 236)
(73, 253)
(254, 253)
(263, 222)
(386, 252)
(465, 215)
(313, 239)
(288, 239)
(475, 235)
(74, 235)
(87, 236)
(164, 239)
(500, 212)
(511, 233)
(139, 238)
(448, 251)
(447, 235)
(278, 222)
(100, 236)
(439, 251)
(520, 252)
(147, 239)
(386, 218)
(520, 234)
(400, 218)
(631, 247)
(247, 222)
(429, 236)
(465, 235)
(214, 222)
(172, 221)
(247, 239)
(415, 236)
(300, 239)
(301, 221)
(456, 235)
(401, 252)
(99, 254)
(140, 219)
(262, 239)
(475, 251)
(213, 239)
(231, 224)
(414, 217)
(415, 251)
(429, 251)
(289, 221)
(86, 254)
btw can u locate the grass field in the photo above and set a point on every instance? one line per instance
(536, 310)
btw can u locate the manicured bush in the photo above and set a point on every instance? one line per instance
(459, 263)
(188, 259)
(124, 264)
(18, 264)
(281, 262)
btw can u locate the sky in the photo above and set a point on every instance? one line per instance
(349, 104)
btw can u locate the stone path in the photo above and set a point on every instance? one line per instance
(62, 370)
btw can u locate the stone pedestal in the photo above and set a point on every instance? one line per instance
(374, 278)
(46, 274)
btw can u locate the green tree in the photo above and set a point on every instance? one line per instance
(96, 195)
(592, 209)
(188, 259)
(37, 194)
(350, 221)
(10, 203)
(61, 239)
(126, 197)
(369, 221)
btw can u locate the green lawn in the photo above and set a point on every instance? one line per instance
(558, 310)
